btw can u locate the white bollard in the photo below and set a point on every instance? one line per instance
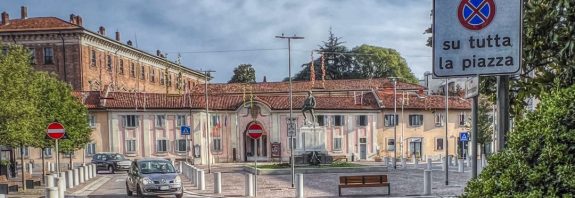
(299, 186)
(81, 170)
(89, 170)
(444, 164)
(202, 181)
(87, 173)
(429, 165)
(460, 166)
(181, 166)
(70, 179)
(51, 192)
(427, 182)
(456, 161)
(468, 159)
(393, 160)
(51, 167)
(415, 162)
(218, 183)
(61, 184)
(30, 167)
(196, 176)
(50, 181)
(94, 168)
(76, 174)
(249, 185)
(413, 159)
(403, 163)
(386, 161)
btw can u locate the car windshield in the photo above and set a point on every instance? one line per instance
(149, 167)
(118, 157)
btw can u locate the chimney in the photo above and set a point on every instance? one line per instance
(130, 42)
(158, 53)
(5, 18)
(79, 20)
(117, 36)
(265, 79)
(102, 30)
(24, 12)
(73, 19)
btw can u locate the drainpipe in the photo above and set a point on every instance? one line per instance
(64, 57)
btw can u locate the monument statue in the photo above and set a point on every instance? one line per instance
(308, 105)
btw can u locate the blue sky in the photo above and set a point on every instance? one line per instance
(186, 26)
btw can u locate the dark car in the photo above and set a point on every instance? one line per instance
(152, 177)
(111, 162)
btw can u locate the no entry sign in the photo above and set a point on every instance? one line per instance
(255, 130)
(476, 37)
(55, 130)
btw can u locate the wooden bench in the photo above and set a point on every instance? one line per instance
(358, 181)
(336, 158)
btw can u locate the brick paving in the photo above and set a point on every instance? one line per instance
(404, 182)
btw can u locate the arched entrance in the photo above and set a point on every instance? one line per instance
(255, 148)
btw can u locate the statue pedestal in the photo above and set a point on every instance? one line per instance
(311, 138)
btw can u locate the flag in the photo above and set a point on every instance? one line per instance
(312, 70)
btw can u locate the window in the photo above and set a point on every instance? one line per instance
(142, 72)
(391, 144)
(462, 119)
(217, 144)
(362, 120)
(160, 121)
(389, 121)
(109, 68)
(169, 80)
(181, 120)
(131, 121)
(48, 55)
(215, 120)
(91, 149)
(162, 146)
(292, 142)
(337, 143)
(338, 120)
(32, 52)
(415, 120)
(162, 78)
(439, 144)
(121, 68)
(24, 151)
(92, 120)
(47, 152)
(439, 119)
(93, 58)
(132, 70)
(152, 75)
(181, 145)
(320, 119)
(130, 146)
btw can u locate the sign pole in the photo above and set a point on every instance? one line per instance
(502, 111)
(187, 148)
(474, 112)
(57, 159)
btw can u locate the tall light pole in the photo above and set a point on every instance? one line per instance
(207, 72)
(289, 38)
(446, 138)
(395, 123)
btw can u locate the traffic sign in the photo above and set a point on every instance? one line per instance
(463, 136)
(255, 130)
(476, 37)
(185, 130)
(472, 87)
(291, 127)
(55, 130)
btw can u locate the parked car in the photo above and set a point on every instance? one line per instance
(152, 177)
(111, 162)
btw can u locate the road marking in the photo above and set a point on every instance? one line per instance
(92, 186)
(120, 180)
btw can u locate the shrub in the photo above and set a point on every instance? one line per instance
(539, 160)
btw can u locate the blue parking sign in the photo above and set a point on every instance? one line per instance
(464, 136)
(185, 130)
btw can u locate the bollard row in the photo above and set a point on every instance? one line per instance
(57, 184)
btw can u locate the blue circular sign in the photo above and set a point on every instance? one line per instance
(476, 14)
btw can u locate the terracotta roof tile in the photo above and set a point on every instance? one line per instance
(91, 99)
(37, 23)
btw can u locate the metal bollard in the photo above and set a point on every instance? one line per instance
(30, 168)
(460, 166)
(94, 169)
(51, 192)
(249, 185)
(202, 180)
(76, 174)
(50, 181)
(429, 165)
(218, 183)
(386, 161)
(81, 170)
(61, 184)
(70, 179)
(87, 173)
(403, 163)
(299, 186)
(444, 164)
(427, 182)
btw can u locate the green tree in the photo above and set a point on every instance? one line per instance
(484, 124)
(378, 62)
(539, 160)
(244, 73)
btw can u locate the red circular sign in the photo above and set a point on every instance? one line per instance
(55, 130)
(255, 130)
(476, 14)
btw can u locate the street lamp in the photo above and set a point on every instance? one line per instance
(289, 38)
(207, 73)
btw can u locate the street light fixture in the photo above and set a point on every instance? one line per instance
(289, 38)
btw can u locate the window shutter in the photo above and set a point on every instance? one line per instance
(137, 120)
(124, 121)
(342, 120)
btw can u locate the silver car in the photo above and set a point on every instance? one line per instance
(151, 177)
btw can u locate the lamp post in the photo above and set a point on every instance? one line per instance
(289, 38)
(207, 72)
(446, 124)
(395, 122)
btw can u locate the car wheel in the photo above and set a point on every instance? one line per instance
(179, 195)
(111, 169)
(139, 191)
(128, 190)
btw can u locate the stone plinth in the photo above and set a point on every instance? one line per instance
(311, 138)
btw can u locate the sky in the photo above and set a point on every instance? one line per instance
(221, 34)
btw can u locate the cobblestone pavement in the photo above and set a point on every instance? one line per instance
(404, 183)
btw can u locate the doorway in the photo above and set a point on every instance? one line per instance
(415, 148)
(362, 148)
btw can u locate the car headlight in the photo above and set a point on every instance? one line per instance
(147, 181)
(178, 180)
